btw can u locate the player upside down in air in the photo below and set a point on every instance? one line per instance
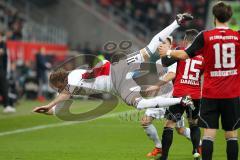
(158, 113)
(187, 82)
(114, 78)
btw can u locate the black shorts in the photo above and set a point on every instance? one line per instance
(212, 109)
(175, 112)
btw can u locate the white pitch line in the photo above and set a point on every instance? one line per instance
(54, 125)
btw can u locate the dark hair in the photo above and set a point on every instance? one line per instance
(222, 11)
(190, 35)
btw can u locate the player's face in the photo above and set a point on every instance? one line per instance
(58, 86)
(167, 44)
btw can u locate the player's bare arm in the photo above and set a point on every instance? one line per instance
(177, 54)
(194, 49)
(46, 109)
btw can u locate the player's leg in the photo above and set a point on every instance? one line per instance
(161, 102)
(152, 133)
(151, 48)
(167, 138)
(158, 39)
(127, 88)
(209, 120)
(230, 117)
(173, 115)
(195, 137)
(192, 116)
(208, 142)
(182, 130)
(232, 144)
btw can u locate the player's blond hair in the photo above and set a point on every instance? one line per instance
(58, 78)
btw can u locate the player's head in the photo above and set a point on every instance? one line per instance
(58, 79)
(222, 12)
(168, 42)
(189, 36)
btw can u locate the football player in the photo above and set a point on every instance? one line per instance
(220, 48)
(158, 113)
(187, 82)
(115, 78)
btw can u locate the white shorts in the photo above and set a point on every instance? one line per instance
(158, 113)
(181, 123)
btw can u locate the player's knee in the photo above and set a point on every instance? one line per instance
(170, 124)
(193, 123)
(180, 130)
(209, 134)
(231, 134)
(141, 104)
(146, 121)
(208, 138)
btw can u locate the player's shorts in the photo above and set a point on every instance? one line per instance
(212, 109)
(158, 113)
(175, 112)
(128, 86)
(123, 83)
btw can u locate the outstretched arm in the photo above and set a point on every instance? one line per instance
(194, 49)
(64, 95)
(178, 54)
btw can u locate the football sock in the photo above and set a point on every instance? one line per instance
(167, 139)
(153, 135)
(195, 137)
(207, 148)
(187, 133)
(159, 101)
(160, 37)
(135, 58)
(232, 148)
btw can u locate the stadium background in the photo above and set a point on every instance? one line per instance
(62, 29)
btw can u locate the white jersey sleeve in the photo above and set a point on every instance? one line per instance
(74, 79)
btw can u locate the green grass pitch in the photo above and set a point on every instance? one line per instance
(112, 137)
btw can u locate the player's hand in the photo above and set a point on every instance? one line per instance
(162, 50)
(42, 109)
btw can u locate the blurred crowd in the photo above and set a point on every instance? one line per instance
(11, 22)
(156, 14)
(19, 78)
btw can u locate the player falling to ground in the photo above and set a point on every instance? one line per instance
(220, 48)
(158, 113)
(187, 82)
(115, 78)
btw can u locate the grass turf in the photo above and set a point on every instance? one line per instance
(117, 137)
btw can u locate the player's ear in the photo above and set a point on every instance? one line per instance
(214, 21)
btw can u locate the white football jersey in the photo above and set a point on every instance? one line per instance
(86, 82)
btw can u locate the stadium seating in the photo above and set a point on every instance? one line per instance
(154, 15)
